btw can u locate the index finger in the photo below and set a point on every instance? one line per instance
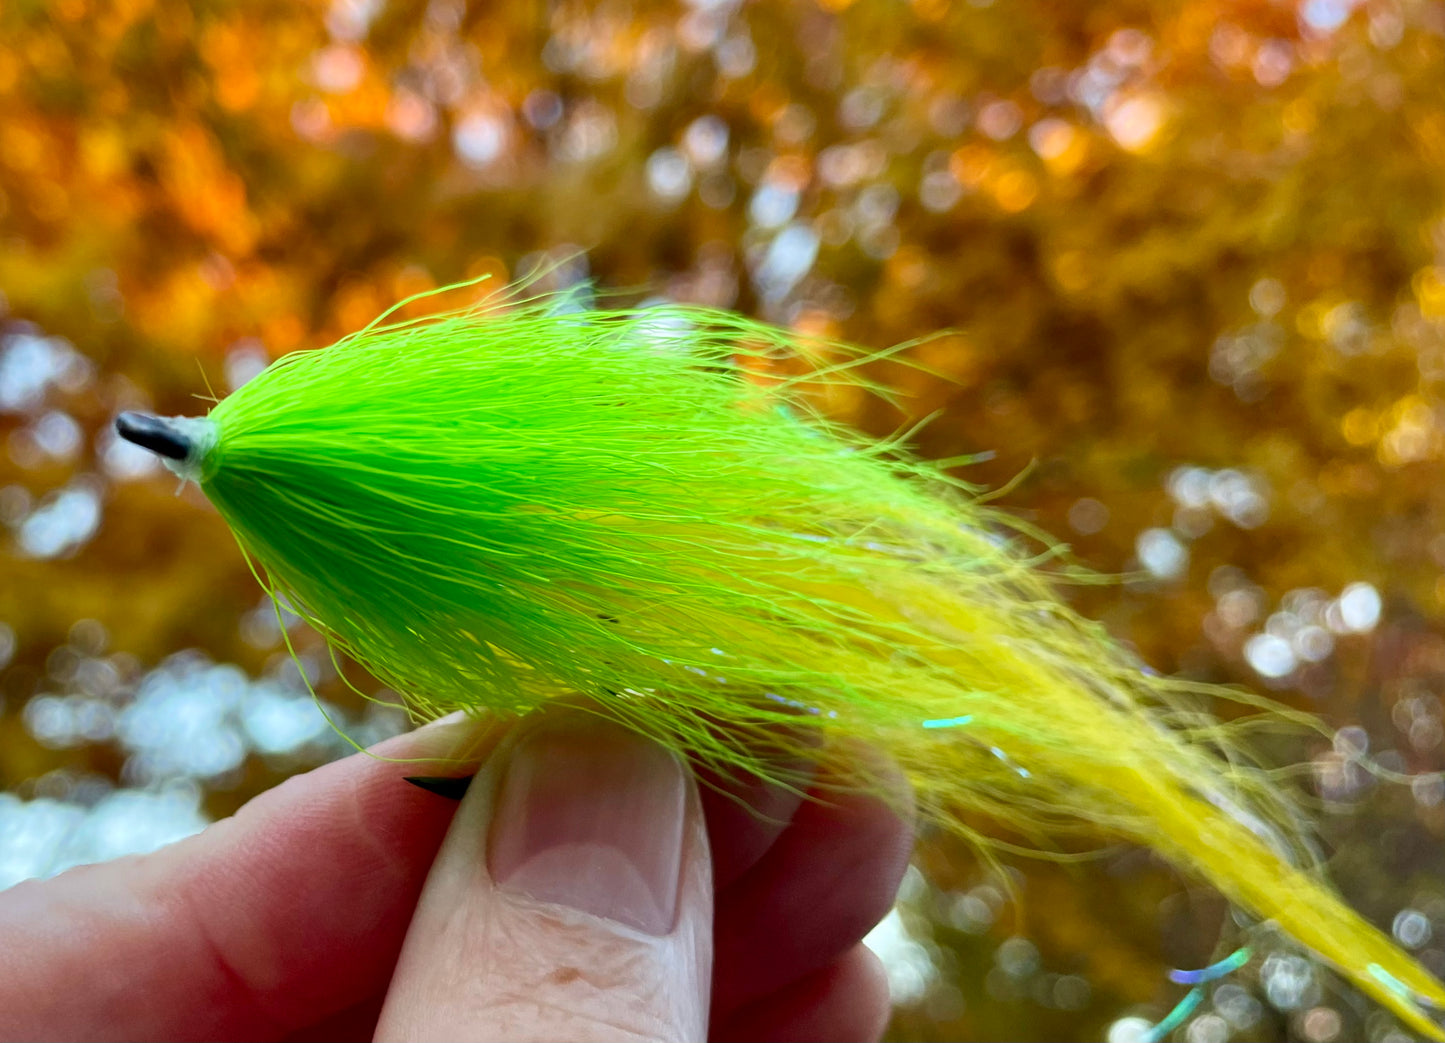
(287, 913)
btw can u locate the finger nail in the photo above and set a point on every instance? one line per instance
(445, 737)
(591, 816)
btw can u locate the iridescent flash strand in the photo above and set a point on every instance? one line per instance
(1195, 996)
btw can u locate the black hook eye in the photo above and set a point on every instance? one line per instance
(154, 433)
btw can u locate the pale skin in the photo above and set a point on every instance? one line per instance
(585, 889)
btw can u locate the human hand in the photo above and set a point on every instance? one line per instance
(574, 898)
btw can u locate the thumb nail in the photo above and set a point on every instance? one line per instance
(591, 816)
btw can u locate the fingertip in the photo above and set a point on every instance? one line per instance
(745, 817)
(356, 814)
(821, 887)
(856, 769)
(847, 1001)
(462, 738)
(860, 839)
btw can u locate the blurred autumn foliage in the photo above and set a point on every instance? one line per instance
(1190, 258)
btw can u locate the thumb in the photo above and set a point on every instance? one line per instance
(571, 899)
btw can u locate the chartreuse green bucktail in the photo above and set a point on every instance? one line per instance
(503, 505)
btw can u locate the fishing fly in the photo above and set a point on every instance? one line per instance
(506, 504)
